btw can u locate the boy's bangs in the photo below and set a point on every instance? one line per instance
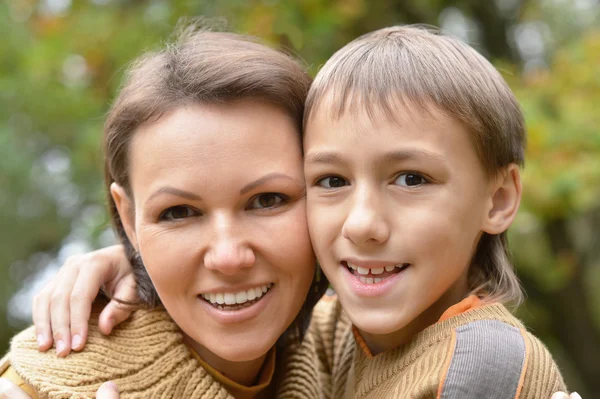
(406, 70)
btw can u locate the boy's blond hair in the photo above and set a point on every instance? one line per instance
(404, 68)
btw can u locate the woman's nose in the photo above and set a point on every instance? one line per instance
(229, 251)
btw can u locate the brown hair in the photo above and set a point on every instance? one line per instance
(200, 67)
(416, 67)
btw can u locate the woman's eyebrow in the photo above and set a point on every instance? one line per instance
(174, 191)
(262, 180)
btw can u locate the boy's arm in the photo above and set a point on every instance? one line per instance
(61, 310)
(541, 377)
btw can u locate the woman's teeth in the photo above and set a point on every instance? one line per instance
(231, 300)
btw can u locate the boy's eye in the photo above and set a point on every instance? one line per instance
(267, 200)
(177, 213)
(332, 182)
(410, 180)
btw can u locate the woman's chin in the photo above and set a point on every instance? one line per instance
(237, 348)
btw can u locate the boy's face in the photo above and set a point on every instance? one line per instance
(395, 211)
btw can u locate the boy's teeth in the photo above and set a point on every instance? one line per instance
(233, 298)
(376, 270)
(369, 280)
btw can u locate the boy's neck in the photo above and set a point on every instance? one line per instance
(244, 373)
(378, 343)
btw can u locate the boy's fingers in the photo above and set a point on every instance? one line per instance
(60, 306)
(113, 314)
(108, 390)
(85, 290)
(8, 390)
(575, 395)
(41, 317)
(116, 312)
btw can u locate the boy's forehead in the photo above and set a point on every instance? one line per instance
(360, 115)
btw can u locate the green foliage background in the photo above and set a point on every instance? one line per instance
(61, 62)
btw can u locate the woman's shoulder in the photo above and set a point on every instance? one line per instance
(144, 356)
(136, 341)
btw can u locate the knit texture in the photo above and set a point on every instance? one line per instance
(419, 368)
(146, 358)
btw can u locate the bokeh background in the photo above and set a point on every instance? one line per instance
(61, 62)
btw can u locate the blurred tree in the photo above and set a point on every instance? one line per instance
(61, 62)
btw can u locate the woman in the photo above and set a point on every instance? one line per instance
(204, 168)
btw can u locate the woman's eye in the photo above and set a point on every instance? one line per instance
(410, 180)
(332, 182)
(177, 213)
(267, 200)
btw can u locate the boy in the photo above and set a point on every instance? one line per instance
(413, 143)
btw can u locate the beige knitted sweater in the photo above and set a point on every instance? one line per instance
(484, 352)
(146, 358)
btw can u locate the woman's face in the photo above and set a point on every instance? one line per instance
(218, 217)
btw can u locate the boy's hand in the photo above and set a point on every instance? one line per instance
(108, 390)
(562, 395)
(8, 390)
(61, 311)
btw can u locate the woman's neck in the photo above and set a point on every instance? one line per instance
(244, 373)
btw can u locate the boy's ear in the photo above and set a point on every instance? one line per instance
(125, 207)
(505, 197)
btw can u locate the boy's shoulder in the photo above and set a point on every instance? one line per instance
(485, 352)
(493, 355)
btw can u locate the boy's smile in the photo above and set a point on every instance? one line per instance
(395, 212)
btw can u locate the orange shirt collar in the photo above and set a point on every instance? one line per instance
(265, 377)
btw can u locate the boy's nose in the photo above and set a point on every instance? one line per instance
(229, 252)
(365, 223)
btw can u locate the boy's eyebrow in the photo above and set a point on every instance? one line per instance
(323, 157)
(393, 156)
(403, 155)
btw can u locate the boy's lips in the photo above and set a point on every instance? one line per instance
(372, 278)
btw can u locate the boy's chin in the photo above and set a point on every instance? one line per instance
(376, 323)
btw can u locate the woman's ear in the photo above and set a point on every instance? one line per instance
(126, 208)
(505, 197)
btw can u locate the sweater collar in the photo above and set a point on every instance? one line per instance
(373, 370)
(469, 303)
